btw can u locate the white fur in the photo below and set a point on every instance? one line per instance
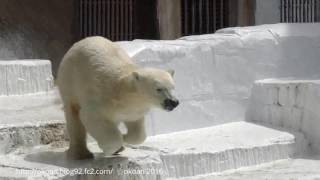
(100, 87)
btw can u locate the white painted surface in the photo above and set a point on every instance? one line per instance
(25, 77)
(221, 147)
(306, 168)
(291, 104)
(215, 72)
(30, 109)
(181, 154)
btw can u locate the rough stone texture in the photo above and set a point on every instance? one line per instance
(12, 138)
(181, 154)
(25, 77)
(290, 104)
(30, 120)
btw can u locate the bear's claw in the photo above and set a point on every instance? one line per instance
(119, 150)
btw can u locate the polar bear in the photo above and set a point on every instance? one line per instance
(101, 87)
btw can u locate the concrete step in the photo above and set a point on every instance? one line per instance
(20, 77)
(306, 168)
(290, 104)
(181, 154)
(30, 120)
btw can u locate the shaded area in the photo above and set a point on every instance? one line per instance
(37, 29)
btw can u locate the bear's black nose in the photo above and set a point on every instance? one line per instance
(170, 104)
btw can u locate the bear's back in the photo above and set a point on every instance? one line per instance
(98, 52)
(92, 65)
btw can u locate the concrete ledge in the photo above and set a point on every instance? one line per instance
(25, 77)
(220, 148)
(13, 138)
(290, 104)
(31, 120)
(306, 168)
(180, 154)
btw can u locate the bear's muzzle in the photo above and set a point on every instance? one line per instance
(170, 104)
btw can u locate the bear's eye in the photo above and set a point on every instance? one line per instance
(159, 90)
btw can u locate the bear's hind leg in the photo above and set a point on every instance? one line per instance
(105, 132)
(77, 134)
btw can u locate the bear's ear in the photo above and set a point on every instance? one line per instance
(136, 75)
(171, 71)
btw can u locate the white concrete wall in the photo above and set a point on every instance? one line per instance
(215, 72)
(267, 12)
(290, 104)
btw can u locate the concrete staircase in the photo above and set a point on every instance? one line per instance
(181, 154)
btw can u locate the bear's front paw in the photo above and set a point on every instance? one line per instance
(134, 138)
(78, 154)
(111, 149)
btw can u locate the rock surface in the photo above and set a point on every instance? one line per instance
(181, 154)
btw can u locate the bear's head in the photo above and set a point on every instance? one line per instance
(156, 85)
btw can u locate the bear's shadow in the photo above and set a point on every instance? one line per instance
(59, 159)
